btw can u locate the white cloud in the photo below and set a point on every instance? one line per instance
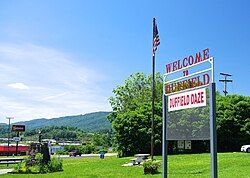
(54, 96)
(20, 86)
(58, 84)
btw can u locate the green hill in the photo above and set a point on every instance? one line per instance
(92, 122)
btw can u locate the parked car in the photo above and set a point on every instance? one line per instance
(245, 148)
(74, 153)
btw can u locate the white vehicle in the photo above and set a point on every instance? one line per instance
(245, 148)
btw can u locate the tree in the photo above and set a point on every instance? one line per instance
(233, 122)
(132, 113)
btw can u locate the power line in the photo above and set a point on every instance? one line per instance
(225, 81)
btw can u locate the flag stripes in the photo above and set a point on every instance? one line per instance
(156, 39)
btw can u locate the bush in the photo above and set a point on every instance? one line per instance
(55, 165)
(87, 149)
(102, 151)
(62, 152)
(151, 166)
(43, 168)
(37, 165)
(21, 167)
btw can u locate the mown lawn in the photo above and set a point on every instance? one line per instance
(230, 165)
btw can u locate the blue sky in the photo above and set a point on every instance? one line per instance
(64, 57)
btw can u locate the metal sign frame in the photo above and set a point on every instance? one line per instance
(213, 134)
(165, 76)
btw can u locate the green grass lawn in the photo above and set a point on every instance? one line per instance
(230, 165)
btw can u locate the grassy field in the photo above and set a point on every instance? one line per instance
(230, 165)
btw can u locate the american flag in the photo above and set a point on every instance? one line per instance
(156, 39)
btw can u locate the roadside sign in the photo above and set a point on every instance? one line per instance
(185, 85)
(18, 128)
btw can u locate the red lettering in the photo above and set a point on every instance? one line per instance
(202, 97)
(189, 83)
(206, 79)
(173, 87)
(192, 98)
(174, 65)
(198, 97)
(187, 101)
(179, 86)
(185, 72)
(205, 54)
(185, 62)
(198, 57)
(198, 81)
(190, 60)
(193, 82)
(179, 64)
(176, 100)
(195, 98)
(167, 89)
(168, 68)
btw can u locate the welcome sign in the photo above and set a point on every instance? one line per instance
(189, 105)
(188, 91)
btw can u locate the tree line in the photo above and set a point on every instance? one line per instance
(89, 142)
(132, 113)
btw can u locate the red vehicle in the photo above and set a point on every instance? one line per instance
(22, 149)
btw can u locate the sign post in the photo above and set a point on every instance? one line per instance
(18, 128)
(9, 134)
(213, 134)
(164, 139)
(187, 92)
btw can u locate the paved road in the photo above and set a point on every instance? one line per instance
(5, 171)
(88, 155)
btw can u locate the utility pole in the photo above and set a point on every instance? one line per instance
(225, 81)
(9, 135)
(40, 140)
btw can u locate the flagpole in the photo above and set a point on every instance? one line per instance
(153, 99)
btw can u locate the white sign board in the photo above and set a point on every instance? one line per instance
(185, 100)
(17, 139)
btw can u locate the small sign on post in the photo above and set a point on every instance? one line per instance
(17, 139)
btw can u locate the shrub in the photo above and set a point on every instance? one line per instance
(89, 148)
(102, 151)
(55, 165)
(151, 166)
(43, 168)
(62, 152)
(21, 167)
(34, 166)
(39, 158)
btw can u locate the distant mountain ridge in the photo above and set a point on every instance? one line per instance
(91, 122)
